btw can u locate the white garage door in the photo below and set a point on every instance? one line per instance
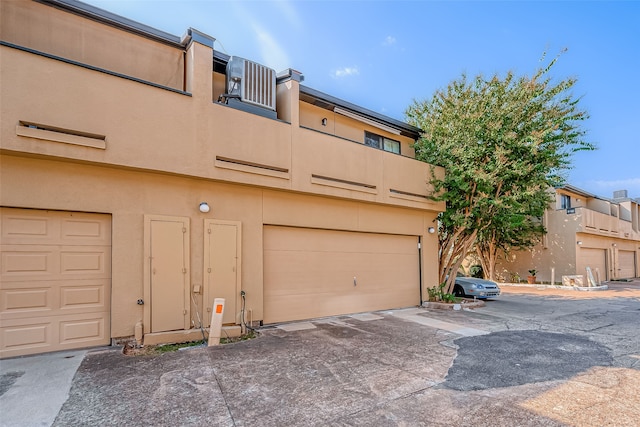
(55, 280)
(626, 264)
(595, 259)
(311, 273)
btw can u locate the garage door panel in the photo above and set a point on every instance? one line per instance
(32, 336)
(25, 337)
(82, 230)
(21, 300)
(32, 262)
(25, 226)
(82, 329)
(294, 239)
(336, 272)
(28, 262)
(29, 227)
(310, 273)
(55, 280)
(51, 298)
(92, 260)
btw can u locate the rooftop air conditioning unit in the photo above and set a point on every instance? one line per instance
(251, 83)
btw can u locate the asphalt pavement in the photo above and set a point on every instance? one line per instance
(533, 357)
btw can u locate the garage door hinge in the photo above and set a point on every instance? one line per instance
(184, 270)
(209, 230)
(184, 312)
(184, 229)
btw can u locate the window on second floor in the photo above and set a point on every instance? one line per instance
(377, 141)
(565, 201)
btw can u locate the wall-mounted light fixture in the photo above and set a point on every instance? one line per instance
(324, 121)
(579, 242)
(204, 207)
(431, 230)
(614, 245)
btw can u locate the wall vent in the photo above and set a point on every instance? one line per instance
(251, 83)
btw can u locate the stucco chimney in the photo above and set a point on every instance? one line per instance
(620, 194)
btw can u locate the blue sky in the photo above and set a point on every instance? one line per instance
(383, 54)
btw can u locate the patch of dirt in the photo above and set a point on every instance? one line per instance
(131, 349)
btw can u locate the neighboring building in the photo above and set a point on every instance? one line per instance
(583, 230)
(114, 133)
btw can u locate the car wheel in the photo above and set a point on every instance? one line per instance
(458, 291)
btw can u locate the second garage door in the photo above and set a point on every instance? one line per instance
(627, 264)
(596, 260)
(311, 273)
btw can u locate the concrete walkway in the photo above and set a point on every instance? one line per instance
(486, 367)
(34, 388)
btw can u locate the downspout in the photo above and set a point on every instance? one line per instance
(184, 70)
(420, 267)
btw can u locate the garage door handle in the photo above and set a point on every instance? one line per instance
(355, 282)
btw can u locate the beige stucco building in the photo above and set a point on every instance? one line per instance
(144, 174)
(585, 233)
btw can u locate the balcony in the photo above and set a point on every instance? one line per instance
(593, 222)
(338, 167)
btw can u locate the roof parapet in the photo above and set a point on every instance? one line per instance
(193, 35)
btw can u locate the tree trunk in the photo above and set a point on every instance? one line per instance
(452, 255)
(488, 254)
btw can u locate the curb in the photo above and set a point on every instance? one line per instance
(449, 306)
(572, 288)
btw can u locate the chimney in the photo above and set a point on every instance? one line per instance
(620, 194)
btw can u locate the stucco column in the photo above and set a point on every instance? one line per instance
(288, 96)
(199, 65)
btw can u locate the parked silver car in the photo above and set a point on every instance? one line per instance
(470, 287)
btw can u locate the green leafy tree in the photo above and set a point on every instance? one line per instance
(503, 142)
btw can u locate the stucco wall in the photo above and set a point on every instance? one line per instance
(47, 29)
(128, 195)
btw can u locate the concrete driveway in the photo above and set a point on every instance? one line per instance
(531, 358)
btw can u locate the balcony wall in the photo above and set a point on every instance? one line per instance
(590, 221)
(323, 164)
(71, 36)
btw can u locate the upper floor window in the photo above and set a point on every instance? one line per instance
(377, 141)
(565, 201)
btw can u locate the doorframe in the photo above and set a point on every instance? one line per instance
(146, 308)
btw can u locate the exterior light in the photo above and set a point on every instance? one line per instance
(204, 207)
(579, 242)
(614, 245)
(324, 121)
(431, 230)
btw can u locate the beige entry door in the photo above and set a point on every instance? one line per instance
(311, 273)
(55, 280)
(222, 249)
(626, 264)
(167, 242)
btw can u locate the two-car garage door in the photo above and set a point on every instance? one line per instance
(55, 280)
(311, 273)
